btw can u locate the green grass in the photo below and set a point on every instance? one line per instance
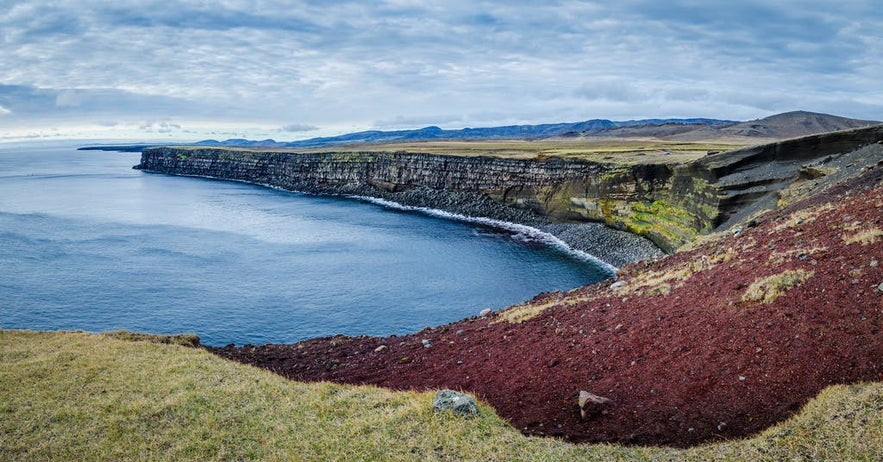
(76, 396)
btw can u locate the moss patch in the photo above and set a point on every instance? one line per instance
(665, 224)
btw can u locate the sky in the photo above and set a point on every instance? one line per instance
(191, 70)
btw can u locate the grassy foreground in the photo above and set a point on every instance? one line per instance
(76, 396)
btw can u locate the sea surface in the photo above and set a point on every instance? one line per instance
(88, 243)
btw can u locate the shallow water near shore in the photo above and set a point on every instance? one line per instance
(87, 243)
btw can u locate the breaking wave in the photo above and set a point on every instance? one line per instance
(518, 232)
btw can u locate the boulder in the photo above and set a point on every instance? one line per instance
(591, 405)
(461, 403)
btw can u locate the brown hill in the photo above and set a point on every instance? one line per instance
(794, 124)
(780, 126)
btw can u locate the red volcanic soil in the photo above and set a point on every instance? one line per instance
(679, 349)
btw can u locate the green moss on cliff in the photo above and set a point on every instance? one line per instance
(667, 225)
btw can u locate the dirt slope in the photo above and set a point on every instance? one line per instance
(717, 342)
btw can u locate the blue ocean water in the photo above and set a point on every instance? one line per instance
(87, 243)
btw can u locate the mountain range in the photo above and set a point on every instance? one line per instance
(780, 126)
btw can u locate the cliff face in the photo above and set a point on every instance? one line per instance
(669, 204)
(637, 199)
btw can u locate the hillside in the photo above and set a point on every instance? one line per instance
(793, 124)
(76, 396)
(776, 127)
(719, 341)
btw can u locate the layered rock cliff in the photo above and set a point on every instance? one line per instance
(668, 204)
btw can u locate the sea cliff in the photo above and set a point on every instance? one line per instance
(470, 186)
(669, 204)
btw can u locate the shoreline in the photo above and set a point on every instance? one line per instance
(590, 241)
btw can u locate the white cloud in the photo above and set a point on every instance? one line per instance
(295, 128)
(69, 99)
(4, 111)
(159, 127)
(391, 63)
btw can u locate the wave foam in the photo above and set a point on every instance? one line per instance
(522, 233)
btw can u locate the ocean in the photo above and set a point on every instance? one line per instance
(88, 243)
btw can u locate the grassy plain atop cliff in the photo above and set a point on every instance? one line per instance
(626, 151)
(602, 150)
(76, 396)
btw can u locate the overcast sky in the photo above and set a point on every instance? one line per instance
(291, 70)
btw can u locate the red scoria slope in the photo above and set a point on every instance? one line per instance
(691, 348)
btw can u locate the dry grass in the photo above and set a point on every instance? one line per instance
(768, 289)
(519, 313)
(75, 396)
(652, 283)
(703, 239)
(603, 150)
(864, 237)
(776, 258)
(188, 340)
(804, 216)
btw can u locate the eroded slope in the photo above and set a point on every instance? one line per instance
(716, 342)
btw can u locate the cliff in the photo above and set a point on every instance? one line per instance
(668, 204)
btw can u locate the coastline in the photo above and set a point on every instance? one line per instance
(607, 247)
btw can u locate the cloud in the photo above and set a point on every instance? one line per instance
(33, 104)
(397, 62)
(69, 99)
(4, 111)
(296, 128)
(404, 122)
(159, 127)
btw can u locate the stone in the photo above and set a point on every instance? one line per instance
(484, 312)
(617, 284)
(460, 403)
(426, 343)
(380, 348)
(591, 404)
(880, 287)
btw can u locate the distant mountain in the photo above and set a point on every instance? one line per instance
(794, 124)
(786, 125)
(485, 133)
(781, 126)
